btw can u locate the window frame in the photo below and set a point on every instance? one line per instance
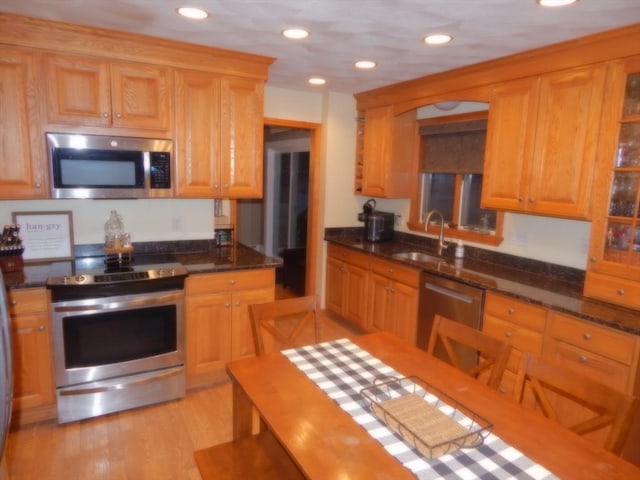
(416, 220)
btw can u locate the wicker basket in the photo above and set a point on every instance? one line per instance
(425, 417)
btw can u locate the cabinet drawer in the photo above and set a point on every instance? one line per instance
(395, 271)
(593, 338)
(27, 300)
(348, 255)
(520, 337)
(611, 289)
(521, 313)
(599, 368)
(230, 281)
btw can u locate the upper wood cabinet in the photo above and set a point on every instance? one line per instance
(90, 92)
(22, 152)
(541, 143)
(218, 136)
(613, 270)
(386, 147)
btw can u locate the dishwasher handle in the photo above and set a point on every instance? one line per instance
(449, 293)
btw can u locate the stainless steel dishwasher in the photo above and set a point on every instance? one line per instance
(454, 300)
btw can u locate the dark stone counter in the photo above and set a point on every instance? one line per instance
(197, 256)
(552, 286)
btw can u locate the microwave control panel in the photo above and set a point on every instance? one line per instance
(160, 171)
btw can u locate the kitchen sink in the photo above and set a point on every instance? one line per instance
(417, 257)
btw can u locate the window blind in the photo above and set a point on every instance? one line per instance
(456, 147)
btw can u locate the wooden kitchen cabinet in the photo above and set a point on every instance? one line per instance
(33, 394)
(387, 145)
(96, 93)
(218, 324)
(22, 152)
(518, 324)
(613, 270)
(393, 299)
(541, 143)
(598, 352)
(218, 136)
(347, 284)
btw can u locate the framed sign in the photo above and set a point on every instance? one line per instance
(45, 235)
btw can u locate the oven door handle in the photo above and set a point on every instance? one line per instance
(119, 303)
(121, 386)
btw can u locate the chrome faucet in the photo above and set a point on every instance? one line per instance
(441, 243)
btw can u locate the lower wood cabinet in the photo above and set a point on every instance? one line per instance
(599, 352)
(372, 293)
(393, 299)
(218, 327)
(347, 284)
(33, 395)
(519, 324)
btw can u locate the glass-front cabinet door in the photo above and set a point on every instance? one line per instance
(613, 271)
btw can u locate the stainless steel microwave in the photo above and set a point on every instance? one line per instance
(102, 166)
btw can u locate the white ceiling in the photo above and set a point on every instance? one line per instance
(343, 31)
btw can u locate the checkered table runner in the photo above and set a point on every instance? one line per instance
(342, 369)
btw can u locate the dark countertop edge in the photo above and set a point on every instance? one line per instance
(212, 260)
(535, 288)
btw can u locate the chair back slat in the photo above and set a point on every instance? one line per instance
(493, 353)
(285, 323)
(609, 407)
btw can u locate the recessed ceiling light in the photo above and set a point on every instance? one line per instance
(365, 64)
(317, 81)
(555, 3)
(193, 13)
(437, 39)
(295, 33)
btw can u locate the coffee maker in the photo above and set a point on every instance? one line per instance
(378, 226)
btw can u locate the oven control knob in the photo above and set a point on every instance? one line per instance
(80, 278)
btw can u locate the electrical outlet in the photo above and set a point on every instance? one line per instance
(398, 220)
(177, 223)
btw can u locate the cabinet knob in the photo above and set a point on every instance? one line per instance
(14, 302)
(118, 115)
(508, 334)
(586, 336)
(532, 200)
(583, 359)
(105, 115)
(227, 305)
(232, 282)
(38, 185)
(41, 328)
(520, 199)
(511, 311)
(593, 259)
(621, 292)
(238, 303)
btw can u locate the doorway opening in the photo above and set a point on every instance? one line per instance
(282, 223)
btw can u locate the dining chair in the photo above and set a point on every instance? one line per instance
(454, 336)
(609, 407)
(285, 323)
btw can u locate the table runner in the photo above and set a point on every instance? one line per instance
(342, 369)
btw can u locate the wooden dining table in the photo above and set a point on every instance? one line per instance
(325, 441)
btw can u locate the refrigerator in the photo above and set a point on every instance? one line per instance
(6, 368)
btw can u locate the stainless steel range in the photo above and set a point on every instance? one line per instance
(118, 335)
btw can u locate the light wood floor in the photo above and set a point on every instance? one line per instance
(150, 443)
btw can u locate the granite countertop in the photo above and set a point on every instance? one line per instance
(198, 258)
(554, 287)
